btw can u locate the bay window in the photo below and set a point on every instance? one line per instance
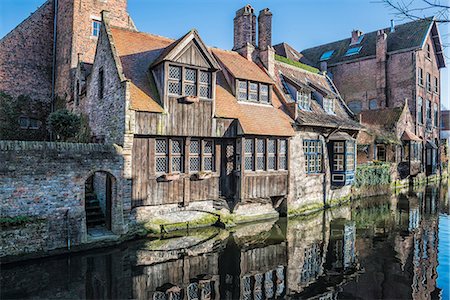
(343, 160)
(261, 154)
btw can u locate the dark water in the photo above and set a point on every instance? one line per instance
(390, 247)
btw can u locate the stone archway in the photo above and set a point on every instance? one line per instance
(100, 198)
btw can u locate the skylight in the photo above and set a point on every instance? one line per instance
(353, 51)
(360, 39)
(326, 55)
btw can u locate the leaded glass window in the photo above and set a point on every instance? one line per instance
(161, 156)
(177, 155)
(205, 84)
(190, 82)
(194, 156)
(175, 80)
(271, 154)
(208, 157)
(260, 154)
(282, 154)
(249, 154)
(313, 156)
(264, 93)
(253, 92)
(242, 90)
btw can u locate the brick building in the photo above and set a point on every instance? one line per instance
(40, 56)
(381, 69)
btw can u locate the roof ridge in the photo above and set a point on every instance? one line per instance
(144, 33)
(431, 18)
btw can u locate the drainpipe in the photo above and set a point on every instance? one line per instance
(66, 216)
(55, 20)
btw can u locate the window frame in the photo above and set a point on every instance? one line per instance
(95, 32)
(420, 76)
(202, 155)
(326, 107)
(315, 156)
(183, 81)
(383, 147)
(420, 110)
(260, 96)
(428, 110)
(435, 115)
(428, 51)
(428, 82)
(436, 85)
(326, 55)
(301, 100)
(279, 156)
(353, 51)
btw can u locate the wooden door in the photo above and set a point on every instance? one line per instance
(227, 167)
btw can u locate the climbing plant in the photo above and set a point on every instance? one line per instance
(64, 124)
(378, 173)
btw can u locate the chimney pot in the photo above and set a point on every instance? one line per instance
(244, 28)
(355, 36)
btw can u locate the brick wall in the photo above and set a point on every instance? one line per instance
(26, 56)
(75, 37)
(47, 181)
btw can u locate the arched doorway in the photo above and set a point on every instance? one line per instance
(100, 191)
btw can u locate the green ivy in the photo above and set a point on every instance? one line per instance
(64, 124)
(296, 64)
(377, 173)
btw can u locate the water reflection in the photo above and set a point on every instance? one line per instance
(384, 247)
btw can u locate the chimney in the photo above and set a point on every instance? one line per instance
(381, 58)
(264, 29)
(323, 66)
(355, 36)
(245, 31)
(392, 25)
(266, 52)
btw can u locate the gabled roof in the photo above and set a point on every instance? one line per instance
(173, 50)
(138, 51)
(406, 36)
(409, 136)
(317, 116)
(385, 118)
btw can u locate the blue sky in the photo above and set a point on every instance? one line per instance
(301, 23)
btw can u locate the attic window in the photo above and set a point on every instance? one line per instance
(328, 105)
(252, 91)
(96, 27)
(428, 51)
(326, 55)
(304, 100)
(353, 51)
(189, 82)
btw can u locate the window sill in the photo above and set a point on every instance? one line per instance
(314, 174)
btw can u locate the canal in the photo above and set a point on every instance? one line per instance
(388, 247)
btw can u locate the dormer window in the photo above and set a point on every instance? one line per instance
(328, 105)
(183, 81)
(252, 91)
(304, 100)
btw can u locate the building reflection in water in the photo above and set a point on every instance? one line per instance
(383, 247)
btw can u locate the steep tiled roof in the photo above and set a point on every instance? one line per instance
(406, 36)
(254, 119)
(317, 116)
(137, 51)
(385, 118)
(409, 136)
(240, 67)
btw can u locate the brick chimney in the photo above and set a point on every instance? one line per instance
(355, 36)
(381, 58)
(245, 31)
(266, 51)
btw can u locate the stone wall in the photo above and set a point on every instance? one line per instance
(26, 56)
(46, 182)
(106, 114)
(307, 191)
